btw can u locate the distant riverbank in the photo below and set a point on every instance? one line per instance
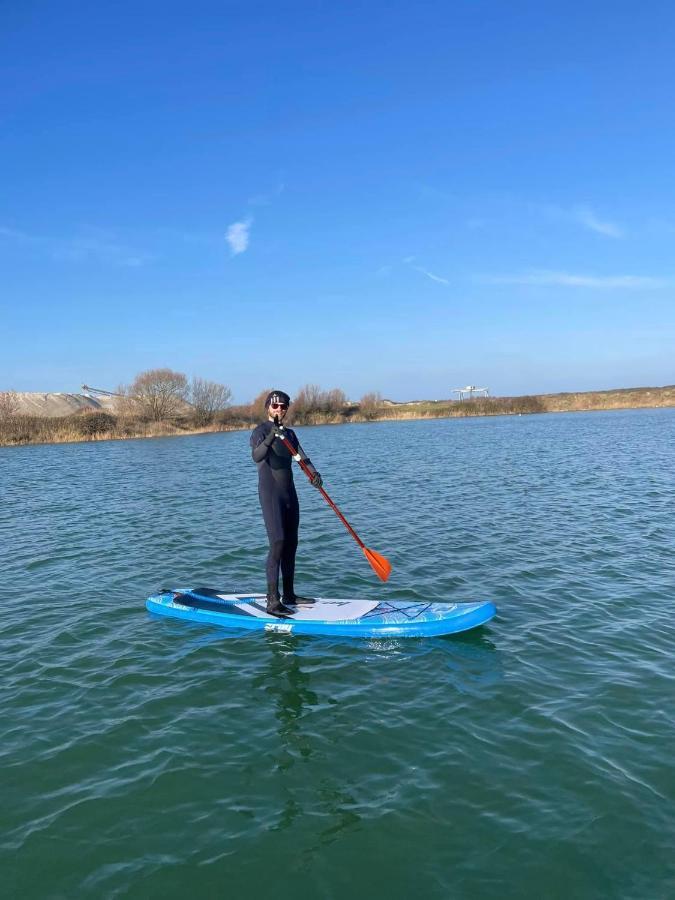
(91, 424)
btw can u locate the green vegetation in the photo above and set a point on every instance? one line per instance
(161, 402)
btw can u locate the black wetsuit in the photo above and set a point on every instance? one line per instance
(279, 503)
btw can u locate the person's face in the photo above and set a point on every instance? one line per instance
(278, 409)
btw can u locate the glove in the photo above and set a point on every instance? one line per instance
(276, 432)
(316, 480)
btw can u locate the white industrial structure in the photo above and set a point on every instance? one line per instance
(468, 392)
(94, 393)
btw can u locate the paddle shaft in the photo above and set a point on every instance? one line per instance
(305, 468)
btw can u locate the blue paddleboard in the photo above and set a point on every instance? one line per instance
(339, 618)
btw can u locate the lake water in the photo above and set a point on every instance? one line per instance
(532, 758)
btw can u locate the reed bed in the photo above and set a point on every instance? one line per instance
(97, 425)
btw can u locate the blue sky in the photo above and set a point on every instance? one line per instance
(396, 197)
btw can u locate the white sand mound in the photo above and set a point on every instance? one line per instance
(54, 405)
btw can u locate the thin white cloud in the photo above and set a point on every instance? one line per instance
(84, 249)
(431, 275)
(580, 215)
(586, 217)
(545, 278)
(93, 244)
(267, 199)
(409, 260)
(14, 234)
(238, 236)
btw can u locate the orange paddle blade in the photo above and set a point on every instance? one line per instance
(380, 565)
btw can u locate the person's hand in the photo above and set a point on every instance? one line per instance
(277, 431)
(314, 478)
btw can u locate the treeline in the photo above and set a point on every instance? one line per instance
(310, 406)
(161, 395)
(163, 402)
(157, 402)
(477, 406)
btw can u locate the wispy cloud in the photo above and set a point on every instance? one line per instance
(545, 277)
(14, 234)
(98, 249)
(268, 198)
(409, 260)
(238, 236)
(431, 275)
(586, 217)
(581, 214)
(93, 244)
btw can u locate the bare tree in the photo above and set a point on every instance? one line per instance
(257, 409)
(208, 398)
(160, 393)
(309, 404)
(308, 400)
(370, 404)
(312, 401)
(334, 401)
(9, 405)
(125, 406)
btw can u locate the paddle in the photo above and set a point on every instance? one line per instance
(380, 565)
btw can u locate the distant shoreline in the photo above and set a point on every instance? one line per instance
(87, 425)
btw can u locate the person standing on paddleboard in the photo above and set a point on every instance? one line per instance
(278, 500)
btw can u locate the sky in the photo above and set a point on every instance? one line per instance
(376, 196)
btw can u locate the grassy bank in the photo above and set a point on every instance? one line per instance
(96, 426)
(623, 398)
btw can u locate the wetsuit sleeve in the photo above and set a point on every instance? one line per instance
(261, 441)
(290, 436)
(303, 455)
(307, 461)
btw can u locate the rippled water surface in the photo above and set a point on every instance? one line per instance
(531, 758)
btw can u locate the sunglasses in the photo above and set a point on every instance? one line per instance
(278, 406)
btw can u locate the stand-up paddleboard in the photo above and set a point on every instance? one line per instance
(346, 618)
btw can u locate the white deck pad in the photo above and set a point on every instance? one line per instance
(322, 610)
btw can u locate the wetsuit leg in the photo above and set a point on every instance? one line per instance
(282, 518)
(272, 511)
(288, 565)
(274, 558)
(291, 525)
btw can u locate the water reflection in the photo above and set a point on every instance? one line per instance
(473, 663)
(287, 683)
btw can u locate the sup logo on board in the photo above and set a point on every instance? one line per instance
(278, 628)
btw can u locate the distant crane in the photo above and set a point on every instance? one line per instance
(98, 392)
(470, 390)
